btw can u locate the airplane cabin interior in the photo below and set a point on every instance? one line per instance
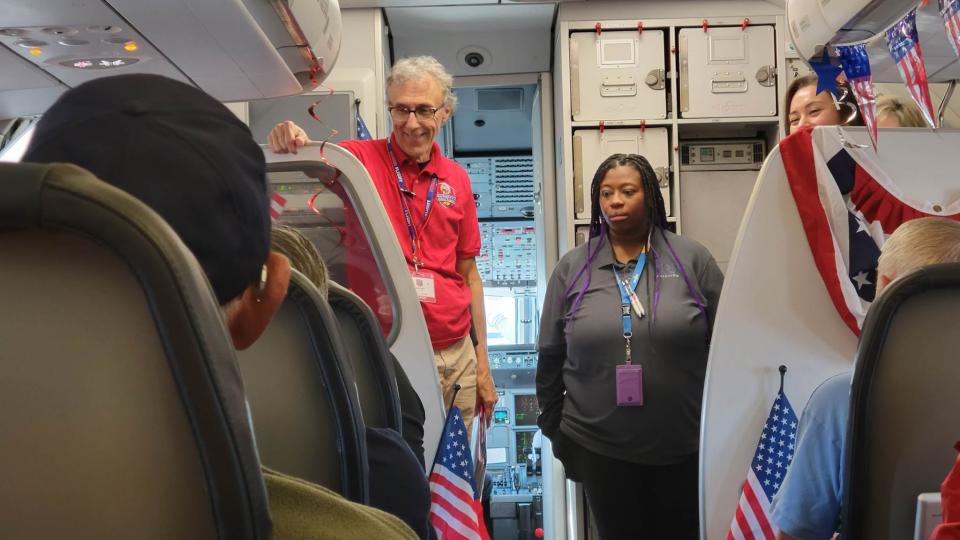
(545, 92)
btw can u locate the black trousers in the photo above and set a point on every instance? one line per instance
(634, 501)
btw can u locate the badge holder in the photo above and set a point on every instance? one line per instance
(425, 285)
(629, 382)
(629, 385)
(629, 375)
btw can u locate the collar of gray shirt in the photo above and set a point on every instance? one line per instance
(605, 258)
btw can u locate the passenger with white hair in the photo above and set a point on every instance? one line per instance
(431, 207)
(807, 506)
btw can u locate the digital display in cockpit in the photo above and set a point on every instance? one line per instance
(526, 410)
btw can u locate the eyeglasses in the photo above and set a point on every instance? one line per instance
(424, 114)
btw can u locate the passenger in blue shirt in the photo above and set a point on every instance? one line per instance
(807, 506)
(808, 503)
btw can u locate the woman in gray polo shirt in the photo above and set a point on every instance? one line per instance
(623, 348)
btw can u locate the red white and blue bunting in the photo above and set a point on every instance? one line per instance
(903, 43)
(904, 47)
(950, 11)
(856, 66)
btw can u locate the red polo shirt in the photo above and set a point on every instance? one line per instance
(451, 232)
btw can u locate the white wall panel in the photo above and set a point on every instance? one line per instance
(520, 44)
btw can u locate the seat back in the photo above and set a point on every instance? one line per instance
(904, 403)
(303, 396)
(121, 405)
(370, 358)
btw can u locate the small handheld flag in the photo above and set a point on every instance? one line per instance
(363, 133)
(770, 462)
(455, 510)
(480, 450)
(277, 204)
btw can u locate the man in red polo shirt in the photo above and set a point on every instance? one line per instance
(430, 204)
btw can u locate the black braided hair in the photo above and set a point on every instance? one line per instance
(652, 197)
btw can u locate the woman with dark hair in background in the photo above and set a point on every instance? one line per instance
(805, 107)
(623, 348)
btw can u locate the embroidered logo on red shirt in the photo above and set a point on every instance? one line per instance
(446, 195)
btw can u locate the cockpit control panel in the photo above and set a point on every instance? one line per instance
(514, 445)
(502, 185)
(508, 254)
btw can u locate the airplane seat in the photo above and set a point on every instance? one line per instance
(904, 403)
(303, 397)
(123, 410)
(371, 360)
(413, 414)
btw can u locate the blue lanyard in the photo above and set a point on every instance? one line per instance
(428, 207)
(625, 300)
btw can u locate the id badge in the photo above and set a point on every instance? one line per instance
(425, 286)
(629, 385)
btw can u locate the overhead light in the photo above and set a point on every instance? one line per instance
(130, 46)
(35, 51)
(30, 43)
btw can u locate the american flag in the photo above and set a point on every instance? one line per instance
(904, 46)
(277, 203)
(856, 66)
(454, 502)
(847, 214)
(774, 454)
(950, 11)
(363, 133)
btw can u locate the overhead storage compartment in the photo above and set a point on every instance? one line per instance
(815, 23)
(233, 49)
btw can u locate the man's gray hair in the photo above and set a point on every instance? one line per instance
(416, 68)
(920, 242)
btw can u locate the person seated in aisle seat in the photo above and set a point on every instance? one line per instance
(305, 257)
(392, 463)
(302, 254)
(807, 506)
(191, 160)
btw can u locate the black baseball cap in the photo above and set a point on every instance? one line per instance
(182, 153)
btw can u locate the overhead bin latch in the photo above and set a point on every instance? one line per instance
(655, 79)
(618, 86)
(728, 82)
(767, 75)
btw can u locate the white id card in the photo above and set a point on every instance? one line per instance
(424, 284)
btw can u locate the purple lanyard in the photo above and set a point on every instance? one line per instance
(428, 207)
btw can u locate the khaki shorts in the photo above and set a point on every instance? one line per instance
(457, 364)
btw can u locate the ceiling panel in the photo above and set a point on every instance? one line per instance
(346, 4)
(473, 19)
